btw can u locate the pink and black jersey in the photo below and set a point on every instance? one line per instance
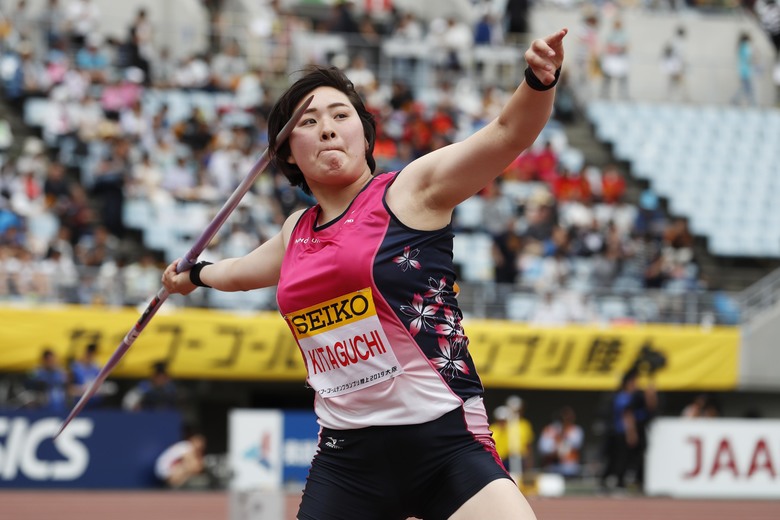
(372, 306)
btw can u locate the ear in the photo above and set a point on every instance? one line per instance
(367, 146)
(291, 159)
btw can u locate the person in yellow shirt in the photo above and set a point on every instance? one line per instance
(514, 437)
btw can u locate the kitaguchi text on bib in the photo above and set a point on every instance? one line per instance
(343, 344)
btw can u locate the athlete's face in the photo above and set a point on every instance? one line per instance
(328, 144)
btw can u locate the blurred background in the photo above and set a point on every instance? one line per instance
(619, 281)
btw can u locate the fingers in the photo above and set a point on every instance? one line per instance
(556, 39)
(545, 56)
(171, 279)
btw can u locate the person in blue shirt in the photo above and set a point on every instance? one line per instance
(85, 370)
(631, 410)
(47, 382)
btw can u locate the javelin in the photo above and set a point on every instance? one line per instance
(186, 263)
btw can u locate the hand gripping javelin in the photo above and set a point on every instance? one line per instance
(186, 263)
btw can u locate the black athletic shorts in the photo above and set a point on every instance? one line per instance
(395, 472)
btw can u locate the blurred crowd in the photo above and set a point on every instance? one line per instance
(123, 121)
(56, 385)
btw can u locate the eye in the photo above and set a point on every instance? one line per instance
(341, 115)
(308, 121)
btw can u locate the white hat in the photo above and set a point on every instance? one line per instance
(501, 413)
(514, 402)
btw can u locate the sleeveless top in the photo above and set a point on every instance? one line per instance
(372, 306)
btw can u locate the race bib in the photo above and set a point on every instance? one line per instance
(343, 344)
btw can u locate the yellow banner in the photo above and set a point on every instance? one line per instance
(208, 344)
(196, 343)
(594, 358)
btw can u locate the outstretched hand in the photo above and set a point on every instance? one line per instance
(545, 56)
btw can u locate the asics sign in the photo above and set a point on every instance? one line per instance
(101, 449)
(22, 438)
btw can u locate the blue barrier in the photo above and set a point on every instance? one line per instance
(98, 450)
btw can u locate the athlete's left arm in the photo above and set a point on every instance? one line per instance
(442, 179)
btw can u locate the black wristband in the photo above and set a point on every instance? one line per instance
(536, 84)
(195, 273)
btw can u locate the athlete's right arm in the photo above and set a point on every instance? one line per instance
(257, 269)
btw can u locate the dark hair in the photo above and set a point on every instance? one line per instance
(315, 77)
(630, 375)
(160, 368)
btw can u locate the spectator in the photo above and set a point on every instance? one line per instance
(632, 409)
(195, 131)
(109, 185)
(92, 59)
(650, 219)
(587, 61)
(22, 21)
(180, 179)
(513, 435)
(572, 186)
(133, 123)
(47, 383)
(560, 444)
(83, 372)
(457, 40)
(547, 164)
(673, 64)
(159, 392)
(141, 279)
(613, 184)
(361, 76)
(122, 92)
(181, 462)
(250, 93)
(549, 311)
(703, 405)
(146, 182)
(517, 20)
(506, 253)
(97, 247)
(343, 19)
(228, 66)
(194, 72)
(61, 275)
(746, 71)
(614, 61)
(53, 24)
(140, 44)
(83, 19)
(164, 69)
(25, 76)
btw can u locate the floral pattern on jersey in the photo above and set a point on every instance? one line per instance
(451, 325)
(416, 276)
(452, 362)
(422, 315)
(437, 290)
(407, 259)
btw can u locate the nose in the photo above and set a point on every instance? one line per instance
(328, 134)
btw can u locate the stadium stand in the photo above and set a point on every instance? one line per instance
(164, 148)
